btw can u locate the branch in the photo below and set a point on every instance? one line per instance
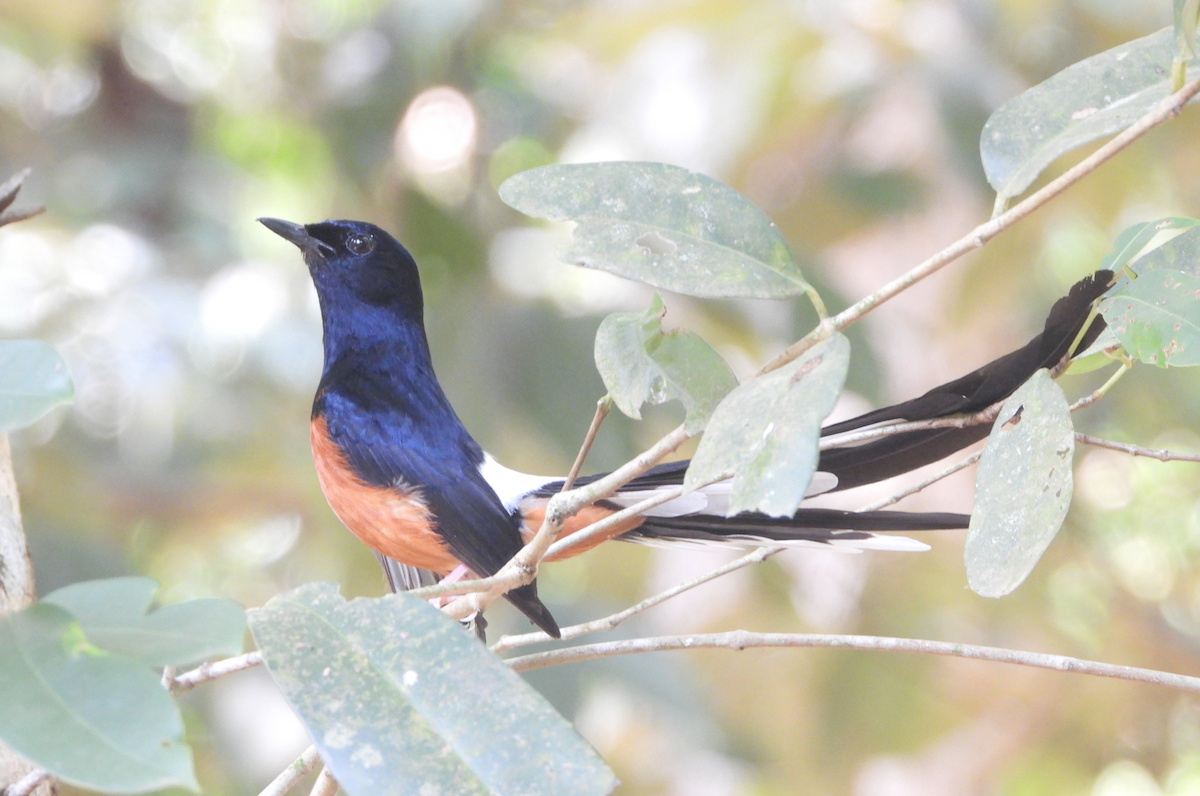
(26, 784)
(917, 487)
(522, 568)
(1162, 455)
(211, 671)
(291, 775)
(603, 407)
(611, 621)
(325, 785)
(741, 639)
(987, 415)
(1168, 108)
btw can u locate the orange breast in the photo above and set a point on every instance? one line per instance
(391, 520)
(534, 513)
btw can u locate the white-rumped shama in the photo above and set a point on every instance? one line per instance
(402, 472)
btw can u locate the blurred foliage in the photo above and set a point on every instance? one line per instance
(159, 129)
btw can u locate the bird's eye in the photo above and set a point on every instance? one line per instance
(360, 244)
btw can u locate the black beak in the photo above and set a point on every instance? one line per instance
(298, 235)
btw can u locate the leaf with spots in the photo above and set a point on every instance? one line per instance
(765, 432)
(399, 699)
(1022, 488)
(663, 225)
(1149, 246)
(1157, 317)
(1090, 99)
(641, 363)
(93, 719)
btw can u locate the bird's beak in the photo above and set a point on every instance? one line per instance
(298, 235)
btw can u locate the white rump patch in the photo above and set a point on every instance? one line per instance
(511, 486)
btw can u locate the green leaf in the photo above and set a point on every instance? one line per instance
(1187, 14)
(92, 719)
(1131, 244)
(399, 700)
(639, 363)
(1157, 317)
(1022, 488)
(662, 225)
(765, 433)
(1096, 355)
(1180, 253)
(1091, 99)
(113, 614)
(33, 380)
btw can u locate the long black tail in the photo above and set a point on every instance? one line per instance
(894, 455)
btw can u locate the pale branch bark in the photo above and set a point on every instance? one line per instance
(741, 639)
(325, 785)
(522, 568)
(290, 776)
(1099, 393)
(987, 415)
(211, 670)
(917, 487)
(1168, 108)
(17, 591)
(8, 193)
(611, 621)
(16, 573)
(27, 784)
(603, 407)
(1161, 454)
(605, 525)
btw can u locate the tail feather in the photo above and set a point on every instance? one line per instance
(974, 392)
(810, 527)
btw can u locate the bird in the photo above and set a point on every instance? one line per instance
(404, 475)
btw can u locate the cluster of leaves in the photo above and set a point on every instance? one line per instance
(391, 690)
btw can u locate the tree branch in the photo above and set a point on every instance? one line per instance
(1161, 454)
(26, 784)
(522, 568)
(290, 776)
(325, 785)
(741, 639)
(211, 670)
(917, 487)
(603, 407)
(609, 622)
(1168, 108)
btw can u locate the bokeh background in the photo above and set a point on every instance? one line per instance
(158, 130)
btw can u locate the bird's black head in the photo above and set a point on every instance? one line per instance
(368, 287)
(353, 262)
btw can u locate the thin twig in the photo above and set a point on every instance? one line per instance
(979, 418)
(612, 620)
(291, 775)
(1168, 108)
(522, 568)
(917, 487)
(1162, 455)
(1099, 393)
(603, 407)
(211, 670)
(606, 525)
(325, 785)
(741, 639)
(28, 783)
